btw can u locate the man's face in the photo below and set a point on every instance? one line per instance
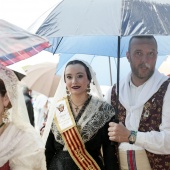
(142, 56)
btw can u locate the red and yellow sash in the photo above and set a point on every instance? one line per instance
(66, 125)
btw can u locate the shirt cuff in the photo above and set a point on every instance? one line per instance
(140, 139)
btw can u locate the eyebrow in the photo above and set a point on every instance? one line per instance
(76, 73)
(142, 50)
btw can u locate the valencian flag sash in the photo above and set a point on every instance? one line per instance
(66, 125)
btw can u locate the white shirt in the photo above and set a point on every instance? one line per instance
(155, 142)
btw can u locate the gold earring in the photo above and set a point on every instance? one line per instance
(5, 116)
(88, 88)
(67, 91)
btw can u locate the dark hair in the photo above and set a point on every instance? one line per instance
(141, 37)
(83, 64)
(3, 92)
(2, 88)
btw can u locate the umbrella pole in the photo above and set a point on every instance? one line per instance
(116, 120)
(118, 75)
(110, 69)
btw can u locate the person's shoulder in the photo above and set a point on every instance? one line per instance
(168, 89)
(22, 131)
(103, 102)
(108, 105)
(31, 136)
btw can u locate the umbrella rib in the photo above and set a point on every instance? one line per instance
(160, 20)
(57, 46)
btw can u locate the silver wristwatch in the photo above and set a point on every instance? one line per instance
(132, 137)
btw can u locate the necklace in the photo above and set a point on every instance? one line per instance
(2, 124)
(77, 106)
(81, 110)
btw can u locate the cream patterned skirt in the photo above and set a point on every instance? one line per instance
(134, 160)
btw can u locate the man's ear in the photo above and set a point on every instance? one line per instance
(6, 100)
(128, 56)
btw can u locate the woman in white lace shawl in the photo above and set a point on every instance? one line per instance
(21, 147)
(80, 89)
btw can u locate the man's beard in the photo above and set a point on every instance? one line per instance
(146, 75)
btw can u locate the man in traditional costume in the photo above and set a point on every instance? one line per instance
(143, 110)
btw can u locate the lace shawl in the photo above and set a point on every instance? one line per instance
(95, 116)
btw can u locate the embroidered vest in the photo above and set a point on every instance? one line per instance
(151, 119)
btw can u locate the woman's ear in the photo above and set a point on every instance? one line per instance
(6, 100)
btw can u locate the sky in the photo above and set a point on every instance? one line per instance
(24, 13)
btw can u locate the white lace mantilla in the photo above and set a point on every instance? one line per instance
(19, 143)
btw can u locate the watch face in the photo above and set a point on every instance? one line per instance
(132, 138)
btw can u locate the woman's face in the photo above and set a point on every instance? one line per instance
(76, 79)
(1, 105)
(4, 100)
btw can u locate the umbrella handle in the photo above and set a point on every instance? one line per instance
(115, 120)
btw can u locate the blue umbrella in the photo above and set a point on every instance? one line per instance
(96, 27)
(105, 26)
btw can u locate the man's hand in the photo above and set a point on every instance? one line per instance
(118, 132)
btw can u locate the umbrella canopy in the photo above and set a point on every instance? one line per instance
(95, 26)
(107, 18)
(106, 25)
(104, 28)
(18, 44)
(42, 78)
